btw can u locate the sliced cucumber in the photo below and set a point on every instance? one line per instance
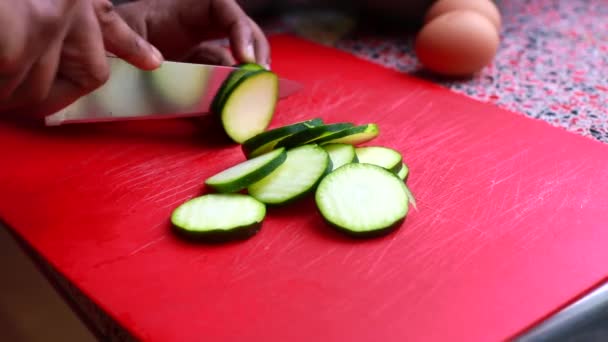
(362, 200)
(340, 154)
(311, 134)
(353, 135)
(380, 156)
(246, 173)
(403, 172)
(266, 141)
(212, 217)
(229, 83)
(297, 176)
(249, 106)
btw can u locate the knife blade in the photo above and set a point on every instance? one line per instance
(174, 90)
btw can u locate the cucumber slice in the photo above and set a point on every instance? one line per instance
(403, 172)
(362, 200)
(297, 176)
(225, 88)
(266, 141)
(353, 135)
(229, 83)
(340, 154)
(311, 134)
(380, 156)
(246, 173)
(212, 217)
(249, 106)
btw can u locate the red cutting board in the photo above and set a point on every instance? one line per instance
(511, 223)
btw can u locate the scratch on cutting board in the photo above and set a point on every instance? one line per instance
(320, 257)
(381, 255)
(151, 243)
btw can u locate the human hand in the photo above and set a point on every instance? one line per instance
(52, 52)
(182, 29)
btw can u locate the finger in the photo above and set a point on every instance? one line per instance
(210, 53)
(262, 47)
(122, 41)
(62, 94)
(38, 84)
(12, 81)
(83, 59)
(232, 17)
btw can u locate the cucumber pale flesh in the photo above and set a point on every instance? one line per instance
(297, 176)
(212, 217)
(362, 200)
(340, 154)
(249, 107)
(380, 156)
(248, 172)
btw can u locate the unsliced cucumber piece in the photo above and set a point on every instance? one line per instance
(403, 172)
(340, 154)
(249, 106)
(219, 217)
(246, 173)
(362, 200)
(380, 156)
(265, 141)
(297, 176)
(309, 135)
(353, 135)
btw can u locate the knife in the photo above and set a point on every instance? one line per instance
(173, 90)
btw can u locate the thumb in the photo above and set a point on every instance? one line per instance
(122, 41)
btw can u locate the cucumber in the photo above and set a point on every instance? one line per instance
(362, 200)
(403, 172)
(340, 154)
(249, 106)
(353, 135)
(380, 156)
(267, 140)
(250, 66)
(298, 175)
(229, 83)
(212, 217)
(246, 173)
(309, 135)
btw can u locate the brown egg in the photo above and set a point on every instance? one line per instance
(487, 8)
(458, 43)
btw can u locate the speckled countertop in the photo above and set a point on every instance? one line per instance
(552, 63)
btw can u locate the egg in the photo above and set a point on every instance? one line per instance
(457, 43)
(487, 8)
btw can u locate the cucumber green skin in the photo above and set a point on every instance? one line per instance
(261, 143)
(226, 88)
(310, 135)
(343, 133)
(250, 66)
(306, 192)
(245, 181)
(218, 236)
(368, 234)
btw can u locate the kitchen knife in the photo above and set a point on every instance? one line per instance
(173, 90)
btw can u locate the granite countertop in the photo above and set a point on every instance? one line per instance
(551, 65)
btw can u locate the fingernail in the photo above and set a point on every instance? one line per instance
(158, 57)
(250, 53)
(266, 65)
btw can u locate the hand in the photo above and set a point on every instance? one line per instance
(181, 29)
(52, 52)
